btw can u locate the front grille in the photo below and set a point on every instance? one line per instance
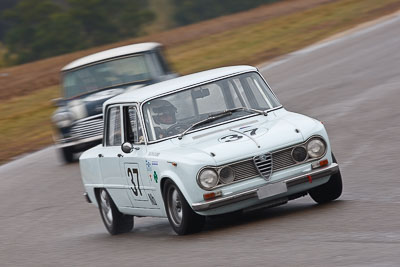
(282, 159)
(86, 129)
(244, 170)
(268, 163)
(264, 165)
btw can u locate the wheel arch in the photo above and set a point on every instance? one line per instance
(96, 192)
(175, 179)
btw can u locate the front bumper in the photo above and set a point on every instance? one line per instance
(89, 142)
(252, 193)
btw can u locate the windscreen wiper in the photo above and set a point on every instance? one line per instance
(221, 114)
(251, 110)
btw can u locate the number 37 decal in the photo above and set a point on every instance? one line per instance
(133, 175)
(236, 137)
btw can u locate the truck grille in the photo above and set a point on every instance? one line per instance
(86, 129)
(264, 165)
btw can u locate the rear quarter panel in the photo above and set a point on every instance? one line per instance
(90, 171)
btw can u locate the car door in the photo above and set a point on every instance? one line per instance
(109, 158)
(133, 165)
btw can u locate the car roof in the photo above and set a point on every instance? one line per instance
(144, 93)
(111, 53)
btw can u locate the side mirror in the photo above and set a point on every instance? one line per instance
(127, 147)
(58, 102)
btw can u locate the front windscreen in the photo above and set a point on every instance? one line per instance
(173, 114)
(107, 74)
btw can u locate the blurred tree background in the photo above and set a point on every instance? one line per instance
(36, 29)
(191, 11)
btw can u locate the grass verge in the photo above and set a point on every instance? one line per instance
(259, 42)
(25, 121)
(2, 53)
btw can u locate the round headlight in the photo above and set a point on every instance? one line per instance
(208, 178)
(62, 119)
(226, 175)
(299, 153)
(316, 148)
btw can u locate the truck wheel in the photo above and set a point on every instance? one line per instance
(67, 154)
(114, 221)
(330, 190)
(180, 215)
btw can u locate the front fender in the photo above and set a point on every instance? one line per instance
(187, 185)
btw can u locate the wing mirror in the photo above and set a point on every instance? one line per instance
(58, 102)
(127, 147)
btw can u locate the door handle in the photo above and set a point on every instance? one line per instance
(120, 156)
(101, 155)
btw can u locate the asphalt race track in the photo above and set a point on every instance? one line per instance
(352, 84)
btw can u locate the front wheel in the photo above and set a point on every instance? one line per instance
(67, 154)
(180, 215)
(114, 221)
(329, 191)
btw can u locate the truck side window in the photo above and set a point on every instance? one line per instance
(133, 132)
(162, 60)
(113, 127)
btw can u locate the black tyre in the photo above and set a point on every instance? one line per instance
(67, 154)
(114, 221)
(329, 191)
(180, 215)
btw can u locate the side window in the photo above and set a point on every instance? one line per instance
(133, 127)
(113, 127)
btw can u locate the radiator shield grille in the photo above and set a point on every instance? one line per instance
(283, 159)
(244, 170)
(264, 164)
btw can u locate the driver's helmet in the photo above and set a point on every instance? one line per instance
(163, 112)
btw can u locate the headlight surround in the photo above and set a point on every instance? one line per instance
(226, 175)
(316, 148)
(62, 119)
(208, 178)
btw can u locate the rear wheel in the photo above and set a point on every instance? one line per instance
(180, 215)
(329, 191)
(114, 221)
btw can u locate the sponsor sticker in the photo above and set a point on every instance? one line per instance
(148, 166)
(154, 154)
(155, 176)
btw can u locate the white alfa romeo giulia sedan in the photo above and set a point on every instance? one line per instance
(204, 144)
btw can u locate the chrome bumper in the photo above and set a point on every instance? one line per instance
(64, 142)
(290, 182)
